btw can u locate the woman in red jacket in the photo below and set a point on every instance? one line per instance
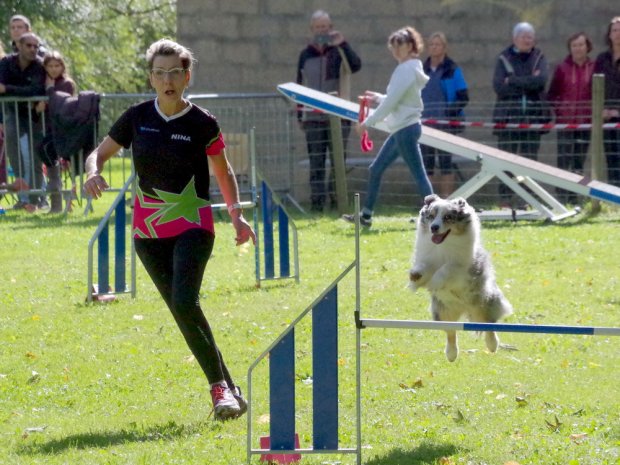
(570, 93)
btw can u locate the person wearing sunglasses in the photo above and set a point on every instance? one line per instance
(175, 146)
(22, 74)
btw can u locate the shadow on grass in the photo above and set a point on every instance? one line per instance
(104, 439)
(424, 454)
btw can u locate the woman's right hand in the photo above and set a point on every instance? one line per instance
(372, 96)
(95, 185)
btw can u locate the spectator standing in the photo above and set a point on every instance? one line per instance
(3, 174)
(320, 67)
(608, 63)
(570, 94)
(175, 144)
(22, 75)
(401, 108)
(18, 25)
(519, 81)
(444, 96)
(57, 80)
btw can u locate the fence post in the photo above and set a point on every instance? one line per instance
(337, 149)
(597, 152)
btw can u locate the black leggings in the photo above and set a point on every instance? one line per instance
(176, 265)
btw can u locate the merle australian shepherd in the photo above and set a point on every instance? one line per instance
(451, 263)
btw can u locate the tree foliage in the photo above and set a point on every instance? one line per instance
(104, 41)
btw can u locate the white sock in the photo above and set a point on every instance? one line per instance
(222, 383)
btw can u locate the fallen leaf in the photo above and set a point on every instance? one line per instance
(459, 417)
(555, 427)
(445, 461)
(510, 347)
(30, 355)
(418, 383)
(264, 419)
(578, 438)
(35, 429)
(34, 378)
(138, 317)
(521, 401)
(511, 462)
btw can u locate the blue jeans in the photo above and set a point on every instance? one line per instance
(403, 142)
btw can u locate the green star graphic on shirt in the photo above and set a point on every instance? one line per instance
(186, 205)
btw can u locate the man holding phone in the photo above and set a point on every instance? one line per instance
(324, 65)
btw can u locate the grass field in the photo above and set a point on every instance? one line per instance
(115, 383)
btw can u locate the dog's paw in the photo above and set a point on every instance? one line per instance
(492, 341)
(452, 352)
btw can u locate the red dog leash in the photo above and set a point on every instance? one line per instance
(365, 141)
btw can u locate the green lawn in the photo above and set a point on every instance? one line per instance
(115, 383)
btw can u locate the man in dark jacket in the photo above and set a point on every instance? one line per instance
(319, 67)
(521, 73)
(608, 63)
(22, 75)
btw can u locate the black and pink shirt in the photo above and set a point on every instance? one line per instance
(170, 159)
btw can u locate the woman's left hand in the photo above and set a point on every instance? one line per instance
(244, 230)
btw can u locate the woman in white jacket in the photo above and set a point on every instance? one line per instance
(401, 108)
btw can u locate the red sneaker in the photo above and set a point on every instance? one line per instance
(225, 406)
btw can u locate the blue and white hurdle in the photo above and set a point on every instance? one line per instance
(324, 310)
(271, 207)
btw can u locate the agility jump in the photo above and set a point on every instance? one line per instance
(283, 444)
(493, 162)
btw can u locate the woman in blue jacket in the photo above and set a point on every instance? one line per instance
(444, 97)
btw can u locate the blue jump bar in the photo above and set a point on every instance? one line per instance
(545, 329)
(499, 327)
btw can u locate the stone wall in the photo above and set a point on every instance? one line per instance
(249, 46)
(252, 45)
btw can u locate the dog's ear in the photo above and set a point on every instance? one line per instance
(430, 199)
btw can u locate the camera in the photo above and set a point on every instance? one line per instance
(322, 39)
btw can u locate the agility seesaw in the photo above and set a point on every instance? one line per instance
(493, 162)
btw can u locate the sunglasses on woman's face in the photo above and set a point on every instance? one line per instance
(173, 74)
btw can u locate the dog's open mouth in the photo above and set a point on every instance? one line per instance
(439, 238)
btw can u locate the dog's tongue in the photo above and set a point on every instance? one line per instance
(439, 238)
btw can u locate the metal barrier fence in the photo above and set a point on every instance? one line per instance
(282, 154)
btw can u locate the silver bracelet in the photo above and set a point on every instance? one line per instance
(234, 206)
